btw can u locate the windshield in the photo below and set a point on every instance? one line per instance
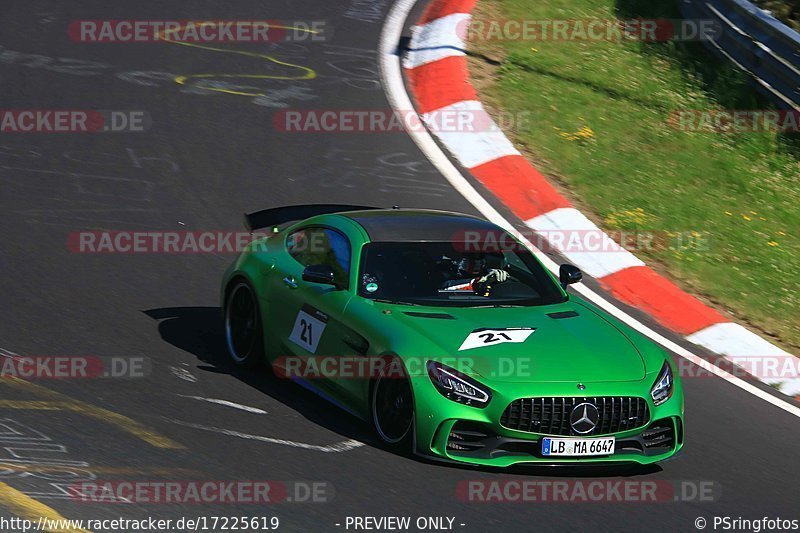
(438, 274)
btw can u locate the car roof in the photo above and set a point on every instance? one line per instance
(418, 225)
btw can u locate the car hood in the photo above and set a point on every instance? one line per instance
(560, 343)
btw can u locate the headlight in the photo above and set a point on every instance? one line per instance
(662, 388)
(458, 387)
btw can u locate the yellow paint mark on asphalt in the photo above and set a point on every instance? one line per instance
(306, 73)
(99, 413)
(26, 507)
(32, 405)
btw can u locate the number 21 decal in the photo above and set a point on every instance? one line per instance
(489, 337)
(306, 331)
(308, 328)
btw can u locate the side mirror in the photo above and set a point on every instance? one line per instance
(569, 274)
(319, 274)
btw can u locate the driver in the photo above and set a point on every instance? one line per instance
(472, 273)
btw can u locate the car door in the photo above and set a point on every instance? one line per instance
(312, 315)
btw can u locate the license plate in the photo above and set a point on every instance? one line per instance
(578, 447)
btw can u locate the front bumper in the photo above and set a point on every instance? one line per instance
(446, 430)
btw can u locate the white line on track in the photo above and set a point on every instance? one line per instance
(392, 78)
(226, 403)
(182, 373)
(339, 447)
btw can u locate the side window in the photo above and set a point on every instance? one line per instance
(321, 246)
(512, 259)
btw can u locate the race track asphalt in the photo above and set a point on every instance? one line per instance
(209, 156)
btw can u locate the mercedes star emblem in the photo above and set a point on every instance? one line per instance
(584, 418)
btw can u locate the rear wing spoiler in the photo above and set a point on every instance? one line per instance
(280, 216)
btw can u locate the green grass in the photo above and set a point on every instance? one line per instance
(599, 127)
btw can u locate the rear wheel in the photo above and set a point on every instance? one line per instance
(243, 329)
(392, 406)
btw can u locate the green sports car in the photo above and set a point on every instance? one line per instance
(449, 337)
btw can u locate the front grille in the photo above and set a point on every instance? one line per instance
(550, 416)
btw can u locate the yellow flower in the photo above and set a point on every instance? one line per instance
(583, 134)
(772, 243)
(633, 217)
(747, 218)
(729, 213)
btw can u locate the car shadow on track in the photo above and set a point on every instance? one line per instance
(198, 330)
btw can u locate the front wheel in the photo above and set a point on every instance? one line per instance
(392, 406)
(243, 329)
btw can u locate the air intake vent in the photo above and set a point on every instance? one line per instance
(466, 437)
(562, 314)
(660, 435)
(440, 316)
